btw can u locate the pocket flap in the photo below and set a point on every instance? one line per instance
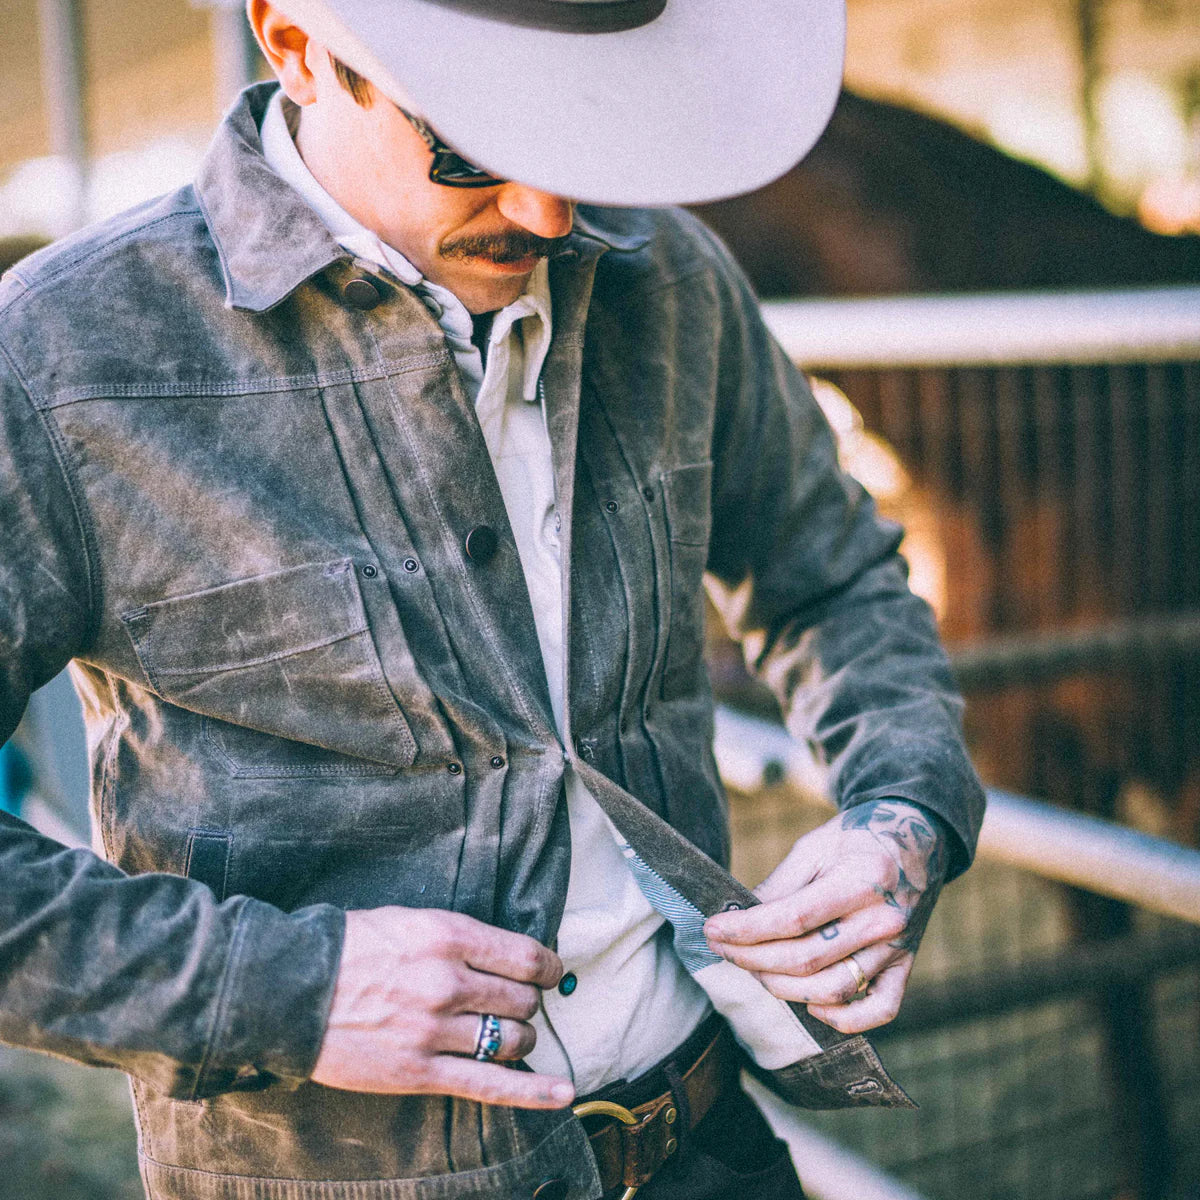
(249, 622)
(288, 654)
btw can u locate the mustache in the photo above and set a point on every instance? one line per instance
(508, 247)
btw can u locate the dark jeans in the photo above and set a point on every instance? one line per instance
(731, 1155)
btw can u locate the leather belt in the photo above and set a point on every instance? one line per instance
(660, 1108)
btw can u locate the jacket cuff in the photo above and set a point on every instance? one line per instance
(274, 999)
(958, 805)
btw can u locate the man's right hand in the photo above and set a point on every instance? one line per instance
(410, 990)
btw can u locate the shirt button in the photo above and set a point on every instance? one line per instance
(361, 293)
(551, 1189)
(481, 543)
(568, 983)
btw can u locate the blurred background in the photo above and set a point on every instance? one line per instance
(990, 266)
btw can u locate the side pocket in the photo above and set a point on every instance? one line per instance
(687, 492)
(207, 859)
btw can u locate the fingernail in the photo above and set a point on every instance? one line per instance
(562, 1093)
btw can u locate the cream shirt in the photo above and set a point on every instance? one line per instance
(633, 1001)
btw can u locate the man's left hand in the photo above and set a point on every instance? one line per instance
(862, 884)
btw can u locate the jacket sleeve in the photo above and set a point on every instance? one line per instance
(148, 973)
(807, 576)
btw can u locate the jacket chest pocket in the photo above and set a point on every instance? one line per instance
(288, 656)
(687, 497)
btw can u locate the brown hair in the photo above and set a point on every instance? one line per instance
(353, 82)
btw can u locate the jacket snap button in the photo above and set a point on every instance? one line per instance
(568, 983)
(611, 506)
(497, 761)
(410, 564)
(454, 768)
(648, 493)
(481, 543)
(370, 571)
(361, 293)
(551, 1189)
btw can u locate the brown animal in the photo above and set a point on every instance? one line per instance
(893, 201)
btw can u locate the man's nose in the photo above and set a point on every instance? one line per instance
(540, 212)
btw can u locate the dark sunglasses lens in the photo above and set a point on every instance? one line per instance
(452, 171)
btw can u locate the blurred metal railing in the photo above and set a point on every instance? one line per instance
(974, 1020)
(1068, 847)
(1135, 326)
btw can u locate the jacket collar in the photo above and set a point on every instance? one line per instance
(269, 241)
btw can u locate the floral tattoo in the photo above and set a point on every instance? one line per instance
(918, 848)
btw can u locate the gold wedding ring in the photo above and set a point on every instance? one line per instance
(860, 976)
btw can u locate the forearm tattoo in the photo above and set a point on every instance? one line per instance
(919, 852)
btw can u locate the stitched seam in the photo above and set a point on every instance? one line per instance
(239, 387)
(36, 285)
(218, 1020)
(464, 576)
(369, 768)
(175, 672)
(82, 514)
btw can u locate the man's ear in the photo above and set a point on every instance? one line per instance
(286, 47)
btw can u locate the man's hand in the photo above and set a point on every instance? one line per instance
(410, 990)
(863, 883)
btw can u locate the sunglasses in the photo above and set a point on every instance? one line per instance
(449, 169)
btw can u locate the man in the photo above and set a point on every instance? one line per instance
(370, 491)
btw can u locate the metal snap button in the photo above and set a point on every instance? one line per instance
(481, 543)
(611, 506)
(411, 564)
(361, 293)
(497, 761)
(370, 570)
(454, 768)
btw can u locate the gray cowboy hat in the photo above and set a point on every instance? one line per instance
(627, 102)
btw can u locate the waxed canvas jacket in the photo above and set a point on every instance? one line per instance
(236, 492)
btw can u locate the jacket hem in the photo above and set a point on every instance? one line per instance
(564, 1155)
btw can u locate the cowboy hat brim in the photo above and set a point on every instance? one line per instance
(710, 99)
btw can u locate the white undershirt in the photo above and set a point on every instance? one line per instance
(633, 1002)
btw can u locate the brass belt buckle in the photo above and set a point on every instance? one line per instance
(609, 1109)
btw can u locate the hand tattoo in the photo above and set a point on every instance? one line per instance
(829, 932)
(917, 849)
